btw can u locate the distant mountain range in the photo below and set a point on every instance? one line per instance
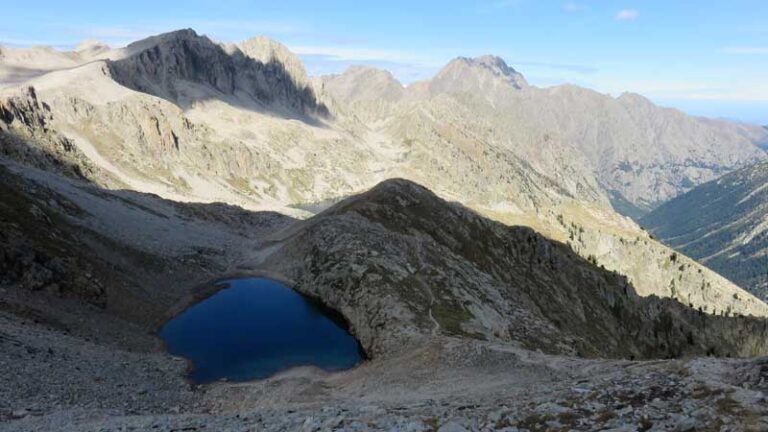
(623, 149)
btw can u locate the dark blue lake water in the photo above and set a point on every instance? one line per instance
(255, 328)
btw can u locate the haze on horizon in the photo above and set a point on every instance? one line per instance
(705, 57)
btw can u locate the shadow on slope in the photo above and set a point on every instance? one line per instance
(65, 240)
(397, 261)
(625, 207)
(398, 258)
(50, 151)
(185, 68)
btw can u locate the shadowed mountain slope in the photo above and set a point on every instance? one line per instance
(401, 263)
(184, 68)
(722, 224)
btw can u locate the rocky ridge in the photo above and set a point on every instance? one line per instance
(261, 73)
(398, 260)
(486, 75)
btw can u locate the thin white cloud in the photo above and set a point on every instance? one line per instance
(405, 73)
(746, 50)
(112, 32)
(506, 3)
(216, 28)
(580, 69)
(754, 95)
(347, 53)
(572, 7)
(688, 90)
(119, 35)
(254, 27)
(15, 42)
(627, 15)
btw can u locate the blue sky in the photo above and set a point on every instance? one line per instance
(705, 57)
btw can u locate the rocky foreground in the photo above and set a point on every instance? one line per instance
(437, 390)
(469, 324)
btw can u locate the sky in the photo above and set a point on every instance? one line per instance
(705, 57)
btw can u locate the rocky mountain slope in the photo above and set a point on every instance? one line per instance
(400, 260)
(451, 326)
(183, 68)
(190, 120)
(722, 224)
(640, 155)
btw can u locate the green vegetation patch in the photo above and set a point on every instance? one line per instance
(451, 317)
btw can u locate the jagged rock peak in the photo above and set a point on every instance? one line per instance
(161, 39)
(493, 64)
(181, 34)
(266, 50)
(486, 76)
(166, 66)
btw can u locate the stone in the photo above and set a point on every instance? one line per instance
(452, 426)
(20, 413)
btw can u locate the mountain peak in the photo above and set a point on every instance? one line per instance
(485, 74)
(493, 64)
(367, 70)
(266, 50)
(184, 67)
(630, 97)
(175, 35)
(161, 39)
(187, 33)
(364, 83)
(90, 44)
(90, 48)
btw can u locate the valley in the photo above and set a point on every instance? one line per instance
(727, 232)
(471, 230)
